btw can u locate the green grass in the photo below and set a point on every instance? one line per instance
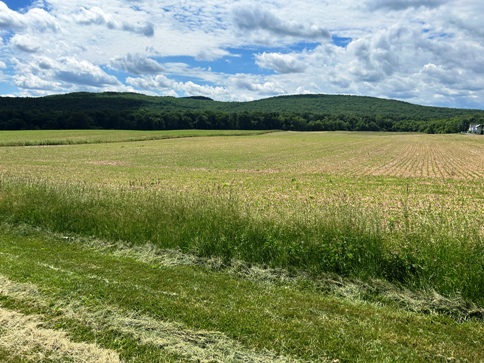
(426, 252)
(375, 240)
(133, 306)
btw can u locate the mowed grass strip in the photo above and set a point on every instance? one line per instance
(134, 307)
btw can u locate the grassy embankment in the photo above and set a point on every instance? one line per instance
(403, 208)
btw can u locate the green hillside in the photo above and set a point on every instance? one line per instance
(321, 104)
(360, 105)
(298, 112)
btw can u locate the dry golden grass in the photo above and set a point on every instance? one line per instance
(24, 336)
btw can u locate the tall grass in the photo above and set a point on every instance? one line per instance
(430, 249)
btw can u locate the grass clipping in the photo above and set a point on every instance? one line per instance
(25, 336)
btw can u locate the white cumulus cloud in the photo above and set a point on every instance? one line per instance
(422, 51)
(404, 4)
(256, 19)
(136, 64)
(35, 19)
(71, 70)
(96, 16)
(25, 44)
(281, 63)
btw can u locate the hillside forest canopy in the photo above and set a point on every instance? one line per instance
(131, 111)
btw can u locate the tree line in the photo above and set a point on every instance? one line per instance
(153, 119)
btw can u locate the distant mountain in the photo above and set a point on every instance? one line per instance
(203, 98)
(298, 112)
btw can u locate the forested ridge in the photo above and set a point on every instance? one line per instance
(299, 113)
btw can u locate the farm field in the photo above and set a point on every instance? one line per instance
(289, 164)
(138, 246)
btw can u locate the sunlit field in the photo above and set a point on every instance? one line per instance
(294, 164)
(402, 209)
(389, 172)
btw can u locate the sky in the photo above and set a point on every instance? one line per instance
(429, 52)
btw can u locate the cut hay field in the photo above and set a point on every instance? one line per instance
(215, 246)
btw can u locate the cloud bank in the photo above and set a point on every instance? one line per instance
(428, 52)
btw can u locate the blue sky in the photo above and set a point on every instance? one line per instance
(422, 51)
(18, 4)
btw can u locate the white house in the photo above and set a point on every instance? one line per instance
(475, 129)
